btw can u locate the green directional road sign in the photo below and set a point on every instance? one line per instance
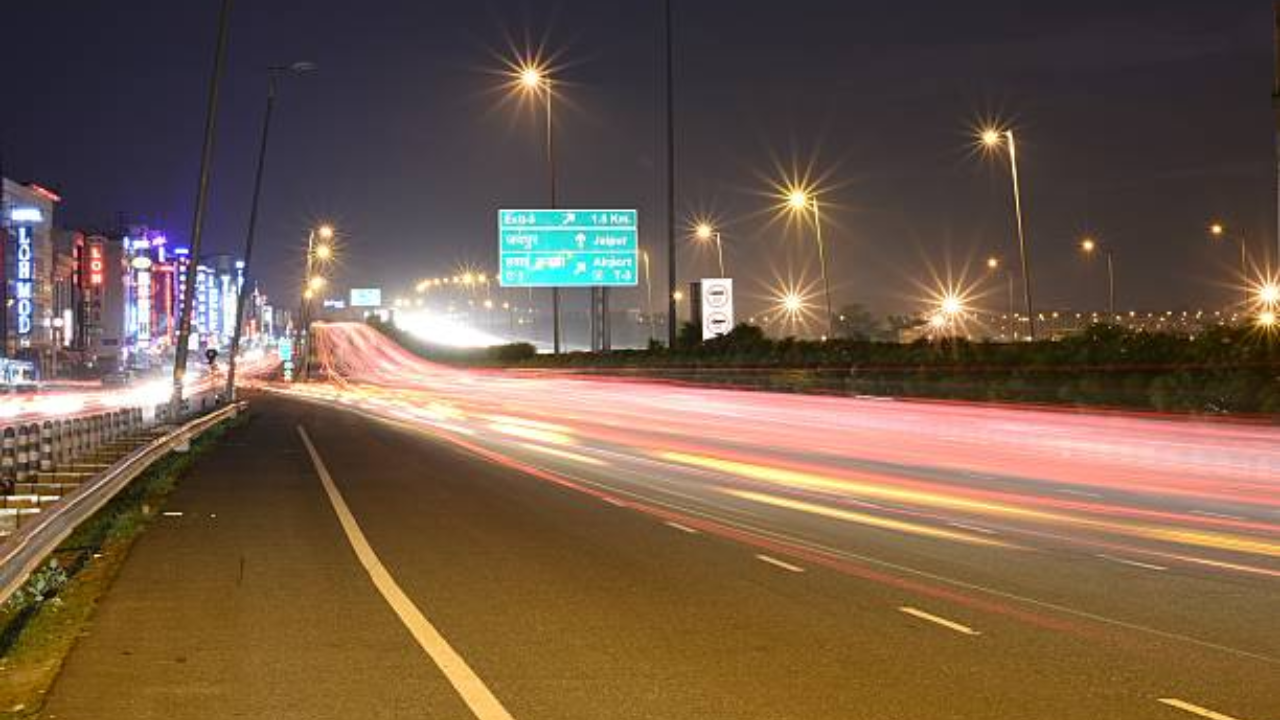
(568, 248)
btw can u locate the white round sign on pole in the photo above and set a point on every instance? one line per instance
(717, 307)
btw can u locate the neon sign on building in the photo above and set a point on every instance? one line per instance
(24, 286)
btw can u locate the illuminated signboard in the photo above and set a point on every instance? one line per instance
(568, 248)
(366, 297)
(24, 286)
(144, 308)
(202, 300)
(96, 264)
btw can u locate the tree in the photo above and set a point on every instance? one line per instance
(856, 322)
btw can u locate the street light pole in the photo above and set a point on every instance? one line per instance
(273, 74)
(672, 310)
(822, 261)
(1111, 285)
(1022, 237)
(197, 222)
(551, 170)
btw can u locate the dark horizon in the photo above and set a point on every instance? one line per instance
(1138, 125)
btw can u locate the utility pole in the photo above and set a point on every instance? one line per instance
(1275, 104)
(672, 320)
(197, 222)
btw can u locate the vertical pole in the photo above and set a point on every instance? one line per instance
(720, 254)
(822, 261)
(672, 320)
(1022, 238)
(1013, 319)
(197, 221)
(1111, 285)
(551, 169)
(241, 294)
(648, 301)
(4, 259)
(1275, 103)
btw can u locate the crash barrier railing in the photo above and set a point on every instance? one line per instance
(23, 551)
(41, 445)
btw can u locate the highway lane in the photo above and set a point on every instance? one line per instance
(1106, 501)
(568, 604)
(597, 550)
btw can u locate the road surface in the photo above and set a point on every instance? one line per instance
(413, 541)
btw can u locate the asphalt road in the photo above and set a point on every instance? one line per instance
(489, 567)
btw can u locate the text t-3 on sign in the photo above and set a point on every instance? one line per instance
(717, 307)
(568, 248)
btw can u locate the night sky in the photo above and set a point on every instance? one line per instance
(1139, 122)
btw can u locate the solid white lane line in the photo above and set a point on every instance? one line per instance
(171, 513)
(780, 564)
(973, 528)
(1132, 563)
(1220, 516)
(1195, 709)
(962, 629)
(681, 528)
(469, 686)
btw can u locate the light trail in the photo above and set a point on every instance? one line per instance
(1202, 494)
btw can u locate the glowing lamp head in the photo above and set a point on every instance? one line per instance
(532, 77)
(798, 199)
(993, 263)
(792, 303)
(1088, 245)
(938, 321)
(704, 231)
(678, 296)
(315, 283)
(952, 305)
(325, 232)
(324, 252)
(990, 138)
(1269, 294)
(1217, 230)
(1267, 319)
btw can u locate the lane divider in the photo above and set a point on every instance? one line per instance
(1132, 563)
(949, 624)
(780, 563)
(1195, 709)
(682, 528)
(477, 696)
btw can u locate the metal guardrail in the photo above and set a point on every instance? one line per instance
(26, 549)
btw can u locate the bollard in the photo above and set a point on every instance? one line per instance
(46, 447)
(8, 458)
(23, 456)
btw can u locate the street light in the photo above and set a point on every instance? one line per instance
(1269, 295)
(705, 231)
(311, 286)
(801, 199)
(531, 77)
(993, 139)
(273, 75)
(1218, 231)
(1089, 246)
(994, 265)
